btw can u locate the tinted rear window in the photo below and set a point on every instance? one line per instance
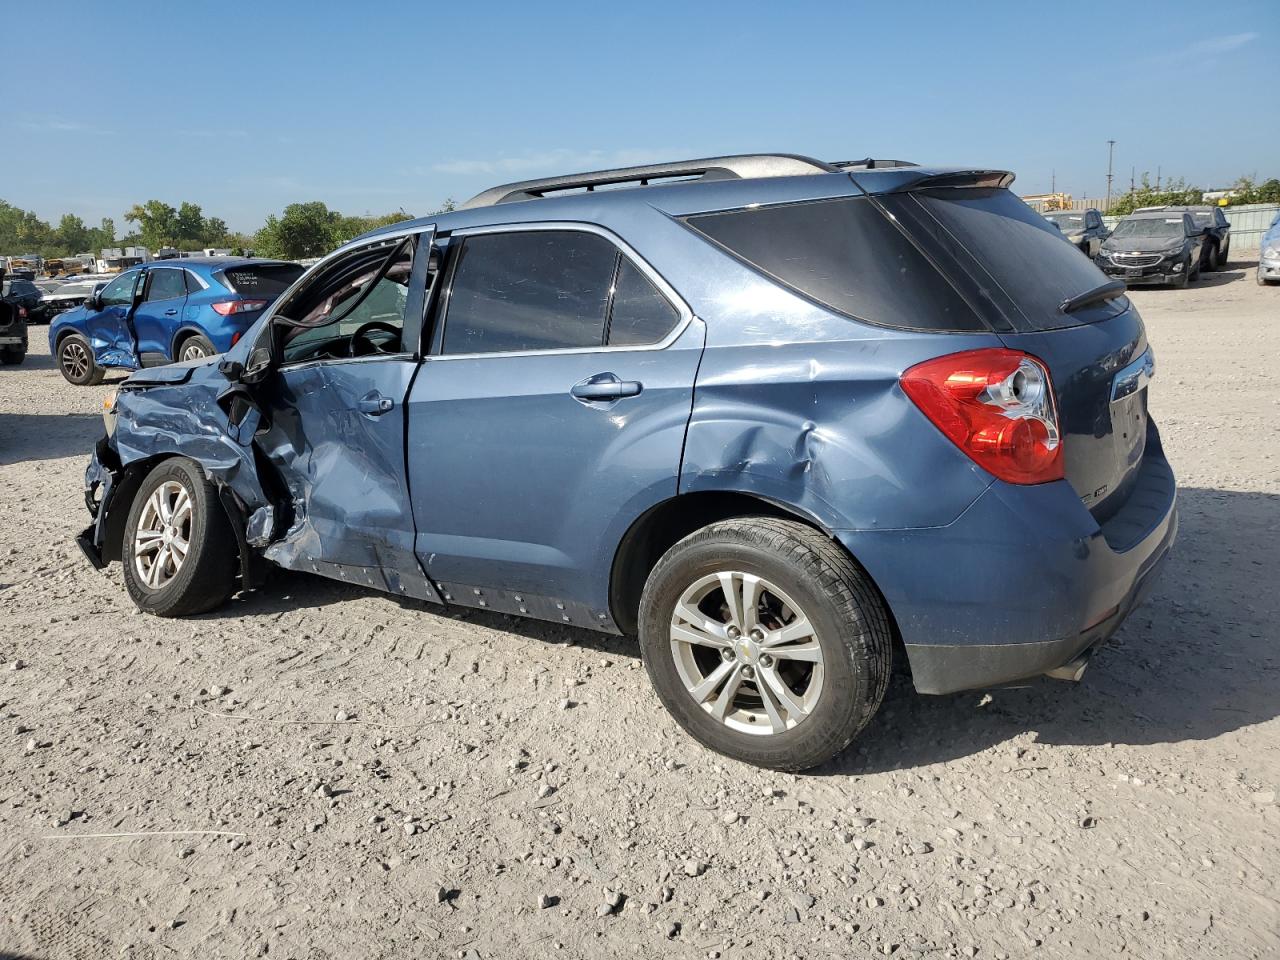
(267, 280)
(846, 255)
(1030, 260)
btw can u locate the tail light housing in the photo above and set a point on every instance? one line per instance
(997, 406)
(228, 308)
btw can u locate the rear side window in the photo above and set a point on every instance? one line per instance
(536, 290)
(846, 255)
(1021, 252)
(165, 285)
(260, 281)
(640, 314)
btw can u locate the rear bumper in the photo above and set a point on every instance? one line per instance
(1024, 581)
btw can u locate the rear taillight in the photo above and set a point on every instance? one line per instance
(997, 406)
(228, 307)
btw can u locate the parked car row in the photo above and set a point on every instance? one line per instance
(1166, 244)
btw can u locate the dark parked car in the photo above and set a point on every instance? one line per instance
(772, 415)
(21, 293)
(1084, 228)
(161, 312)
(13, 328)
(1153, 248)
(1215, 226)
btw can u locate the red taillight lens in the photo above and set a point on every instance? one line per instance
(227, 307)
(997, 406)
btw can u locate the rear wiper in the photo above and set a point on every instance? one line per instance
(1107, 291)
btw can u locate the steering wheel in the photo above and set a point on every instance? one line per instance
(362, 336)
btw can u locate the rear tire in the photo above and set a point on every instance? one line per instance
(179, 552)
(12, 356)
(76, 361)
(194, 347)
(802, 582)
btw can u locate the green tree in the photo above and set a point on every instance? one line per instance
(189, 226)
(1174, 193)
(72, 235)
(302, 230)
(157, 223)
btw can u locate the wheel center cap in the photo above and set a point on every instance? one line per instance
(746, 650)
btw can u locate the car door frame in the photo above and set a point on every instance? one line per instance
(297, 549)
(154, 358)
(114, 354)
(592, 605)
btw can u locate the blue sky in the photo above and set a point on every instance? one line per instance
(380, 106)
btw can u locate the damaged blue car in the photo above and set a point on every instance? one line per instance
(780, 419)
(157, 313)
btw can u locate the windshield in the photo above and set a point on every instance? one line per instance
(73, 290)
(1203, 218)
(1068, 221)
(1166, 227)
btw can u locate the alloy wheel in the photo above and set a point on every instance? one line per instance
(75, 359)
(193, 351)
(163, 537)
(746, 653)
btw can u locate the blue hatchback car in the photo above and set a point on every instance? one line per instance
(165, 311)
(780, 419)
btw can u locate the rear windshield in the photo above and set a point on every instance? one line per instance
(1030, 260)
(846, 255)
(264, 280)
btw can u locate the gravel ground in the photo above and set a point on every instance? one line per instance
(325, 772)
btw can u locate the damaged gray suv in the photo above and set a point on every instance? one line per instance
(778, 418)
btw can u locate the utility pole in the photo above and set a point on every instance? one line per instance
(1157, 178)
(1053, 181)
(1132, 185)
(1111, 149)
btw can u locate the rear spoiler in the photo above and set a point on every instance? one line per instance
(902, 179)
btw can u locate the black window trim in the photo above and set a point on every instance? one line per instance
(665, 290)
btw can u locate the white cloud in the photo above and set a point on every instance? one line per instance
(1204, 51)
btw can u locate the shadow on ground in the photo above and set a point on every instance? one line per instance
(46, 436)
(1196, 661)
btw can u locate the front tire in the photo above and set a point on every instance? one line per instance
(76, 362)
(179, 552)
(765, 641)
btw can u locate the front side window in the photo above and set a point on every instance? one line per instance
(119, 291)
(354, 308)
(165, 285)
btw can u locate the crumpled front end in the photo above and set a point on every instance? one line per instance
(174, 411)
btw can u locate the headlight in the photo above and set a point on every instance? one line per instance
(1271, 253)
(109, 410)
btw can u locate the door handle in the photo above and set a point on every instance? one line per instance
(171, 313)
(374, 404)
(605, 386)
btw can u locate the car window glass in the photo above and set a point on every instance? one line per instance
(332, 318)
(532, 290)
(640, 314)
(119, 290)
(193, 285)
(165, 285)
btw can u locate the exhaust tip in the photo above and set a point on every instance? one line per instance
(1072, 670)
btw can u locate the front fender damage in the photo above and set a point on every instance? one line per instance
(159, 421)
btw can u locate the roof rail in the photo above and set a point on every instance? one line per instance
(872, 164)
(744, 166)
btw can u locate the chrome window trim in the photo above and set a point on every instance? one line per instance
(685, 314)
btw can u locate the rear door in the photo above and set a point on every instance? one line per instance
(157, 317)
(1025, 274)
(551, 414)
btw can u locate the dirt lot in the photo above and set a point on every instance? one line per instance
(325, 772)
